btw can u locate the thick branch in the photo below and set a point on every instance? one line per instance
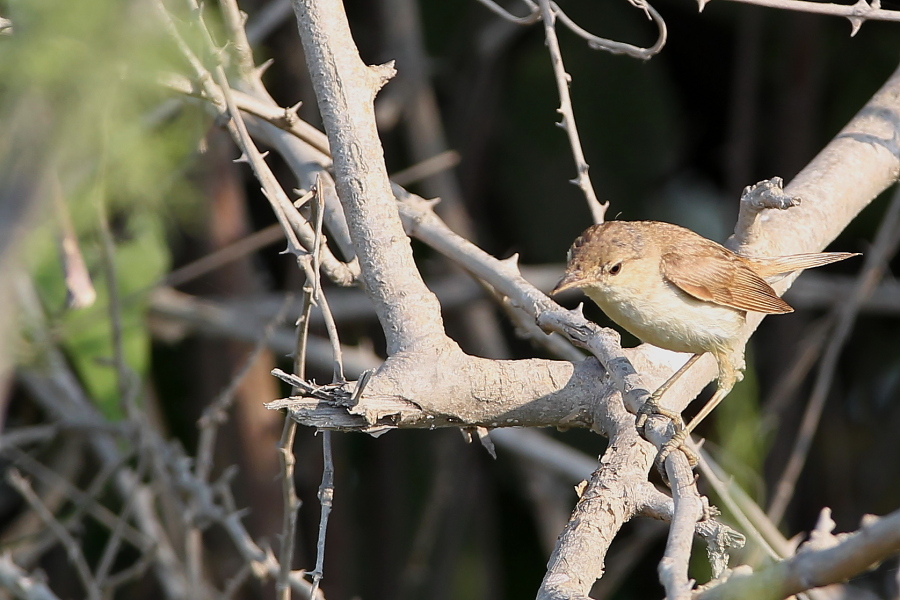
(465, 391)
(345, 89)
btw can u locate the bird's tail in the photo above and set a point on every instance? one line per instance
(782, 265)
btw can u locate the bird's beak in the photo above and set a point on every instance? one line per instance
(572, 279)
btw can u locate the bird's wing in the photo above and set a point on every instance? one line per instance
(722, 278)
(770, 266)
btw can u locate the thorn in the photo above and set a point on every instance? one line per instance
(576, 181)
(383, 73)
(579, 489)
(222, 51)
(264, 155)
(579, 310)
(290, 113)
(855, 24)
(512, 261)
(244, 17)
(484, 436)
(701, 4)
(258, 71)
(241, 159)
(431, 203)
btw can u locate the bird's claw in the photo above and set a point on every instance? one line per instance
(675, 443)
(651, 407)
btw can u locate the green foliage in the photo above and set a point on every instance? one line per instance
(81, 94)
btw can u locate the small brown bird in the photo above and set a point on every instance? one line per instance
(675, 289)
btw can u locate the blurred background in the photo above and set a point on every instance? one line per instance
(96, 150)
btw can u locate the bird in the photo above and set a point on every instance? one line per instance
(675, 289)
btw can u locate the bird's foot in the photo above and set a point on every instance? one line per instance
(675, 443)
(651, 407)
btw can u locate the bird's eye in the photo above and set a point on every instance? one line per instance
(614, 270)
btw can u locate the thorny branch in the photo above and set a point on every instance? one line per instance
(502, 275)
(73, 550)
(563, 81)
(857, 13)
(397, 380)
(550, 13)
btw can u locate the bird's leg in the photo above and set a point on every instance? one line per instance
(678, 439)
(651, 405)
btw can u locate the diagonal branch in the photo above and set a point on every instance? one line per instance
(345, 89)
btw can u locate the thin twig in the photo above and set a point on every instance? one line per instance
(326, 489)
(807, 354)
(233, 585)
(216, 413)
(532, 17)
(218, 319)
(108, 251)
(127, 574)
(73, 551)
(283, 118)
(563, 80)
(111, 550)
(318, 297)
(291, 506)
(24, 436)
(673, 568)
(234, 20)
(614, 47)
(626, 557)
(17, 581)
(84, 501)
(883, 248)
(594, 42)
(286, 454)
(221, 257)
(744, 510)
(857, 13)
(427, 168)
(326, 500)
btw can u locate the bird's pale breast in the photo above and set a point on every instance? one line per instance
(669, 318)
